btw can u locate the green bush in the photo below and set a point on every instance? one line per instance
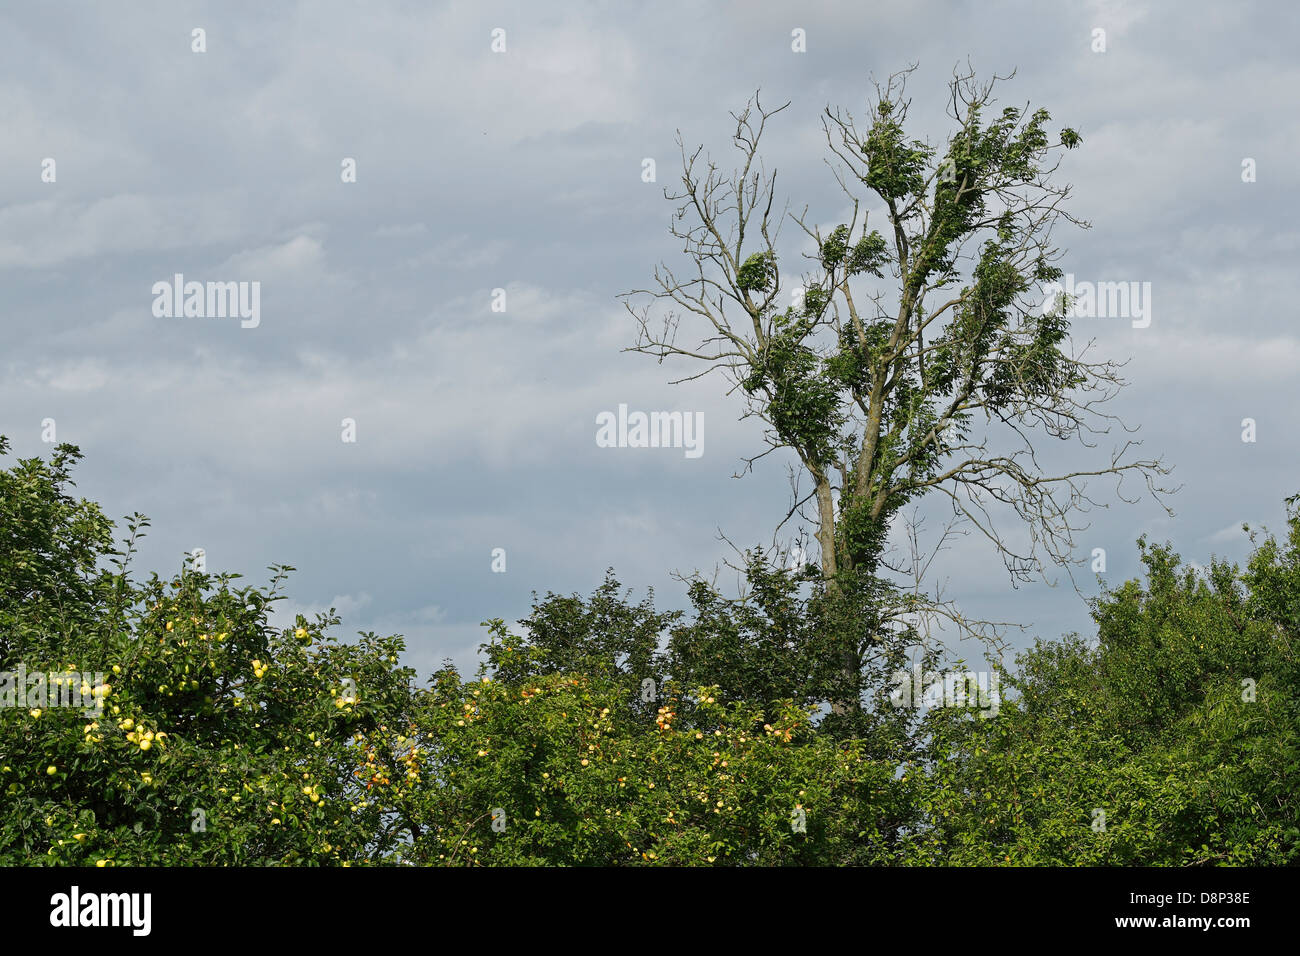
(609, 733)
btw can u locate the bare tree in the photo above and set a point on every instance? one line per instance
(917, 358)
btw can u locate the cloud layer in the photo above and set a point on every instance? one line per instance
(521, 171)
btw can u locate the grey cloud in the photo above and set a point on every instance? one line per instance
(522, 171)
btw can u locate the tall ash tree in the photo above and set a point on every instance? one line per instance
(919, 359)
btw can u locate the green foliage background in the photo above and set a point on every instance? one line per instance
(1179, 723)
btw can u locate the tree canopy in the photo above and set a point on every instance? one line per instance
(605, 732)
(913, 358)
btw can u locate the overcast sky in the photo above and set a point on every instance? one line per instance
(522, 170)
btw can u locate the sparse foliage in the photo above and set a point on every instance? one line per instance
(919, 361)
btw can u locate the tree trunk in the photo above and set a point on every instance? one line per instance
(848, 702)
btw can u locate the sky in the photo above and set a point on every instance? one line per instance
(520, 168)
